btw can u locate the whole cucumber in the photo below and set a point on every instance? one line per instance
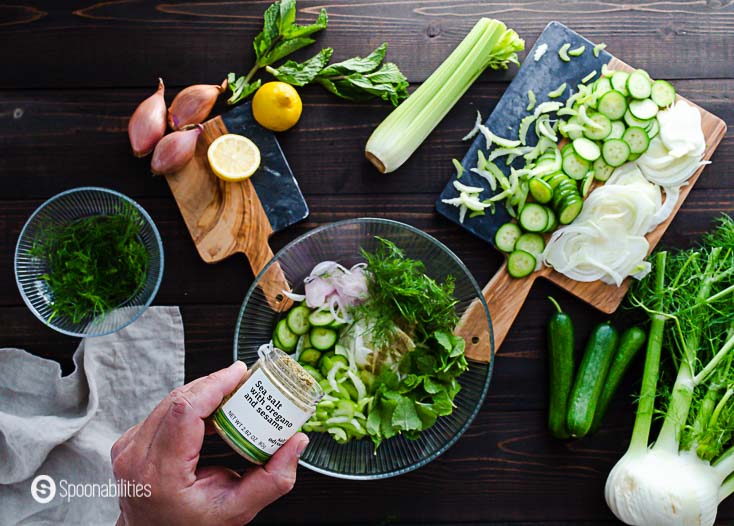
(590, 379)
(630, 343)
(561, 366)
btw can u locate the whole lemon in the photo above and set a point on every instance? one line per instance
(277, 106)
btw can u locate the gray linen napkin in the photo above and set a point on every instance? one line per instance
(64, 427)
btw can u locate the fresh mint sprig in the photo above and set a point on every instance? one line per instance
(355, 79)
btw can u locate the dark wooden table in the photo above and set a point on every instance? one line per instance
(72, 72)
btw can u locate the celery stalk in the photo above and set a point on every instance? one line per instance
(488, 44)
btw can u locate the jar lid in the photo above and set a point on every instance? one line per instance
(291, 374)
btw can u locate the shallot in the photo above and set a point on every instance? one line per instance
(193, 104)
(148, 123)
(175, 150)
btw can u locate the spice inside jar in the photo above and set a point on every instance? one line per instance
(267, 409)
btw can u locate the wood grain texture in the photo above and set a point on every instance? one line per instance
(107, 55)
(193, 42)
(504, 295)
(225, 218)
(84, 128)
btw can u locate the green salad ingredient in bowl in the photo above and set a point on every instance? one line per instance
(94, 264)
(372, 312)
(378, 338)
(89, 261)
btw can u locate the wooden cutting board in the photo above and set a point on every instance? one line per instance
(505, 295)
(226, 218)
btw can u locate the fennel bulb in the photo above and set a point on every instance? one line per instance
(683, 476)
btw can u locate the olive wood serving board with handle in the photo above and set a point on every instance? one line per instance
(505, 295)
(224, 218)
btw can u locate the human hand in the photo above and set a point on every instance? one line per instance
(163, 451)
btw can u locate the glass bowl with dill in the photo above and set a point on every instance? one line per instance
(89, 261)
(412, 406)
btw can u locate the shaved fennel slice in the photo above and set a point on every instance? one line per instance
(590, 253)
(671, 198)
(680, 130)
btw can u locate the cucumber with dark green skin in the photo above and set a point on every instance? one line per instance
(590, 379)
(561, 366)
(630, 343)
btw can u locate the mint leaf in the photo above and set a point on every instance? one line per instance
(411, 381)
(240, 89)
(287, 15)
(387, 74)
(284, 49)
(296, 31)
(444, 340)
(266, 38)
(386, 426)
(458, 349)
(404, 417)
(426, 413)
(373, 421)
(442, 404)
(431, 386)
(304, 73)
(357, 64)
(426, 364)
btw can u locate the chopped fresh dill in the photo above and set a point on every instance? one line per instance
(94, 264)
(400, 293)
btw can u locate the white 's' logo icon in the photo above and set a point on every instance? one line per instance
(43, 489)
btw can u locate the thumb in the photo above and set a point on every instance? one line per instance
(264, 485)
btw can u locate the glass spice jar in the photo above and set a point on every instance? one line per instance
(277, 398)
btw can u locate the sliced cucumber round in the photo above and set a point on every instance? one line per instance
(310, 357)
(619, 82)
(297, 320)
(602, 86)
(575, 166)
(521, 264)
(618, 128)
(533, 217)
(602, 171)
(613, 104)
(586, 185)
(531, 242)
(320, 318)
(506, 237)
(586, 149)
(615, 152)
(631, 120)
(540, 190)
(322, 338)
(570, 209)
(644, 109)
(662, 93)
(552, 221)
(637, 139)
(285, 336)
(603, 128)
(639, 85)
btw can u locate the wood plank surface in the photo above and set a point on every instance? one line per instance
(75, 70)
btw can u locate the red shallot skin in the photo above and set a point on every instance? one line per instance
(148, 123)
(193, 104)
(174, 151)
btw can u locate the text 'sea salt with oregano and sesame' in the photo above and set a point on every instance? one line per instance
(269, 407)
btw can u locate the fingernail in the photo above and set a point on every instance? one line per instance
(302, 446)
(239, 364)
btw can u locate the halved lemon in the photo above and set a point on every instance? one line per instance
(233, 157)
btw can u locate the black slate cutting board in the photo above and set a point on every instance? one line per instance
(541, 77)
